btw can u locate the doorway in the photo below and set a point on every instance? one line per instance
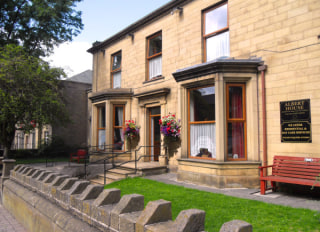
(154, 132)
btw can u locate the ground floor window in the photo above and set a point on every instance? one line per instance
(236, 122)
(101, 127)
(118, 124)
(201, 122)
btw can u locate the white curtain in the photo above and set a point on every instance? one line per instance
(117, 80)
(203, 136)
(155, 67)
(218, 46)
(102, 138)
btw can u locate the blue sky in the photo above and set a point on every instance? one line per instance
(101, 19)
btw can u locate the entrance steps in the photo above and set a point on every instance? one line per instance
(128, 170)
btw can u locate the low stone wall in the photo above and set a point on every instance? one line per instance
(45, 201)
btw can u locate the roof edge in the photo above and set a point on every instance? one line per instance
(138, 24)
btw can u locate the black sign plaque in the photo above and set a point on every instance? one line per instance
(295, 121)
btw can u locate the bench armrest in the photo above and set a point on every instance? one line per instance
(262, 168)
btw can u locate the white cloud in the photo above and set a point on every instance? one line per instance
(72, 57)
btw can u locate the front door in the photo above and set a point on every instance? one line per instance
(154, 131)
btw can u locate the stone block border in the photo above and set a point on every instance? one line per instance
(46, 201)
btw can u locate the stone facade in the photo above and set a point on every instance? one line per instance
(275, 40)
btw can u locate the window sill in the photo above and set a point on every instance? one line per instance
(213, 161)
(154, 79)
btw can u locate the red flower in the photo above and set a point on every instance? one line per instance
(174, 115)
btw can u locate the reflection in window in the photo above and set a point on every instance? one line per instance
(118, 119)
(236, 122)
(202, 129)
(101, 127)
(116, 70)
(154, 56)
(216, 33)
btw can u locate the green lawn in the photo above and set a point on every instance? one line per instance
(220, 208)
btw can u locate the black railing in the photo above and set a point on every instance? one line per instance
(112, 156)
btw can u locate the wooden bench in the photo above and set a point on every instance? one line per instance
(292, 170)
(79, 155)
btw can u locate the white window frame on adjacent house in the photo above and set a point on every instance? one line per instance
(154, 56)
(116, 59)
(216, 40)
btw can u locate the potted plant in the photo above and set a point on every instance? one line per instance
(170, 128)
(131, 133)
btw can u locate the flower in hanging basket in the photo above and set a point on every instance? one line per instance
(131, 130)
(170, 126)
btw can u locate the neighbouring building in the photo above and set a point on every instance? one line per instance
(74, 91)
(243, 77)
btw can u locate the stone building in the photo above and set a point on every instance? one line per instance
(243, 77)
(74, 91)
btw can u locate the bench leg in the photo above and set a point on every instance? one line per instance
(262, 187)
(273, 185)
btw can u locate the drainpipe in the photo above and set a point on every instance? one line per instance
(263, 69)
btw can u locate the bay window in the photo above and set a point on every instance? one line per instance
(154, 56)
(116, 70)
(201, 122)
(216, 32)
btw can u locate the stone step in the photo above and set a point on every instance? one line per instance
(122, 172)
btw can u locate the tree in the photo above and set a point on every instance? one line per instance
(28, 93)
(38, 25)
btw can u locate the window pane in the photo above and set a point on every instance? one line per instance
(202, 104)
(203, 140)
(235, 102)
(102, 115)
(218, 46)
(155, 45)
(155, 110)
(236, 140)
(155, 67)
(102, 138)
(118, 139)
(216, 19)
(116, 61)
(118, 121)
(117, 80)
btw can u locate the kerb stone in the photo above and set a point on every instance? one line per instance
(236, 226)
(155, 212)
(127, 204)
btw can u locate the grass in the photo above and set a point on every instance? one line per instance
(220, 208)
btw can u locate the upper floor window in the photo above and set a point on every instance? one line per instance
(154, 56)
(216, 32)
(116, 70)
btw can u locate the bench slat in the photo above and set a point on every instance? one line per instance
(292, 170)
